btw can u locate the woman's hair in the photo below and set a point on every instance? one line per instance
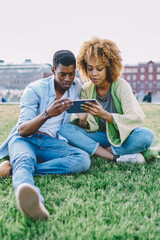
(104, 49)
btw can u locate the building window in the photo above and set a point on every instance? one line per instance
(134, 84)
(158, 85)
(150, 77)
(142, 77)
(158, 77)
(134, 70)
(142, 70)
(134, 77)
(128, 77)
(142, 84)
(158, 69)
(128, 70)
(150, 69)
(150, 85)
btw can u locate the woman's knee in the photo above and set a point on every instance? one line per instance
(146, 137)
(66, 129)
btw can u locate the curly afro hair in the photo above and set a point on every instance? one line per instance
(104, 49)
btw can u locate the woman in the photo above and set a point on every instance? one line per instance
(111, 128)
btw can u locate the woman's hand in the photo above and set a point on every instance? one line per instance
(96, 109)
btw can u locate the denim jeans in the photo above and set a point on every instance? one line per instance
(41, 154)
(138, 141)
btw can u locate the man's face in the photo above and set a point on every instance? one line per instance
(64, 76)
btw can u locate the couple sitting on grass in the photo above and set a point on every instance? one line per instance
(111, 128)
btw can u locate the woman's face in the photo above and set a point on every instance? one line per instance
(96, 71)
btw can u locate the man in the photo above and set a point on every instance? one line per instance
(34, 147)
(148, 97)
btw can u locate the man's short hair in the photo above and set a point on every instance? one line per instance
(64, 57)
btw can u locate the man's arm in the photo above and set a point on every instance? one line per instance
(30, 127)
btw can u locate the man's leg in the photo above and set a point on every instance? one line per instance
(58, 157)
(23, 162)
(5, 169)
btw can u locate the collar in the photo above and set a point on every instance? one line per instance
(52, 91)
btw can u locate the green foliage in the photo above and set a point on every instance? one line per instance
(110, 201)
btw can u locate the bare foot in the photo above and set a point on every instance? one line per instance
(5, 169)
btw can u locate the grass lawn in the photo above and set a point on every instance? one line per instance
(110, 201)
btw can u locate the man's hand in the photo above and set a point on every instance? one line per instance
(59, 106)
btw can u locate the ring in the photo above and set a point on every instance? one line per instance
(62, 103)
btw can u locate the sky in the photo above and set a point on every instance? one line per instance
(35, 29)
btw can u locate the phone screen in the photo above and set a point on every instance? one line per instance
(76, 107)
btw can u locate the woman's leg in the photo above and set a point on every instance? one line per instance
(138, 141)
(94, 143)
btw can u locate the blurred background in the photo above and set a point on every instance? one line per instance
(31, 31)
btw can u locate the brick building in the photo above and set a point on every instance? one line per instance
(18, 76)
(143, 77)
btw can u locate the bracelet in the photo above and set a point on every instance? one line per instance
(46, 114)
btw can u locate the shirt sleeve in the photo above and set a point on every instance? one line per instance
(29, 105)
(131, 118)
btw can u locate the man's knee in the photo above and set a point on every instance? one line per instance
(85, 162)
(22, 161)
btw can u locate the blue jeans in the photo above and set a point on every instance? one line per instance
(41, 154)
(138, 141)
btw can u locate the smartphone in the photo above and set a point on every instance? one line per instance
(76, 107)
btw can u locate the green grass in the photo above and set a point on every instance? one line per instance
(110, 201)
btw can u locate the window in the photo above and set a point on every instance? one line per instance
(158, 85)
(150, 68)
(150, 85)
(158, 77)
(134, 77)
(142, 77)
(134, 84)
(128, 77)
(128, 70)
(142, 84)
(150, 77)
(158, 69)
(142, 70)
(134, 70)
